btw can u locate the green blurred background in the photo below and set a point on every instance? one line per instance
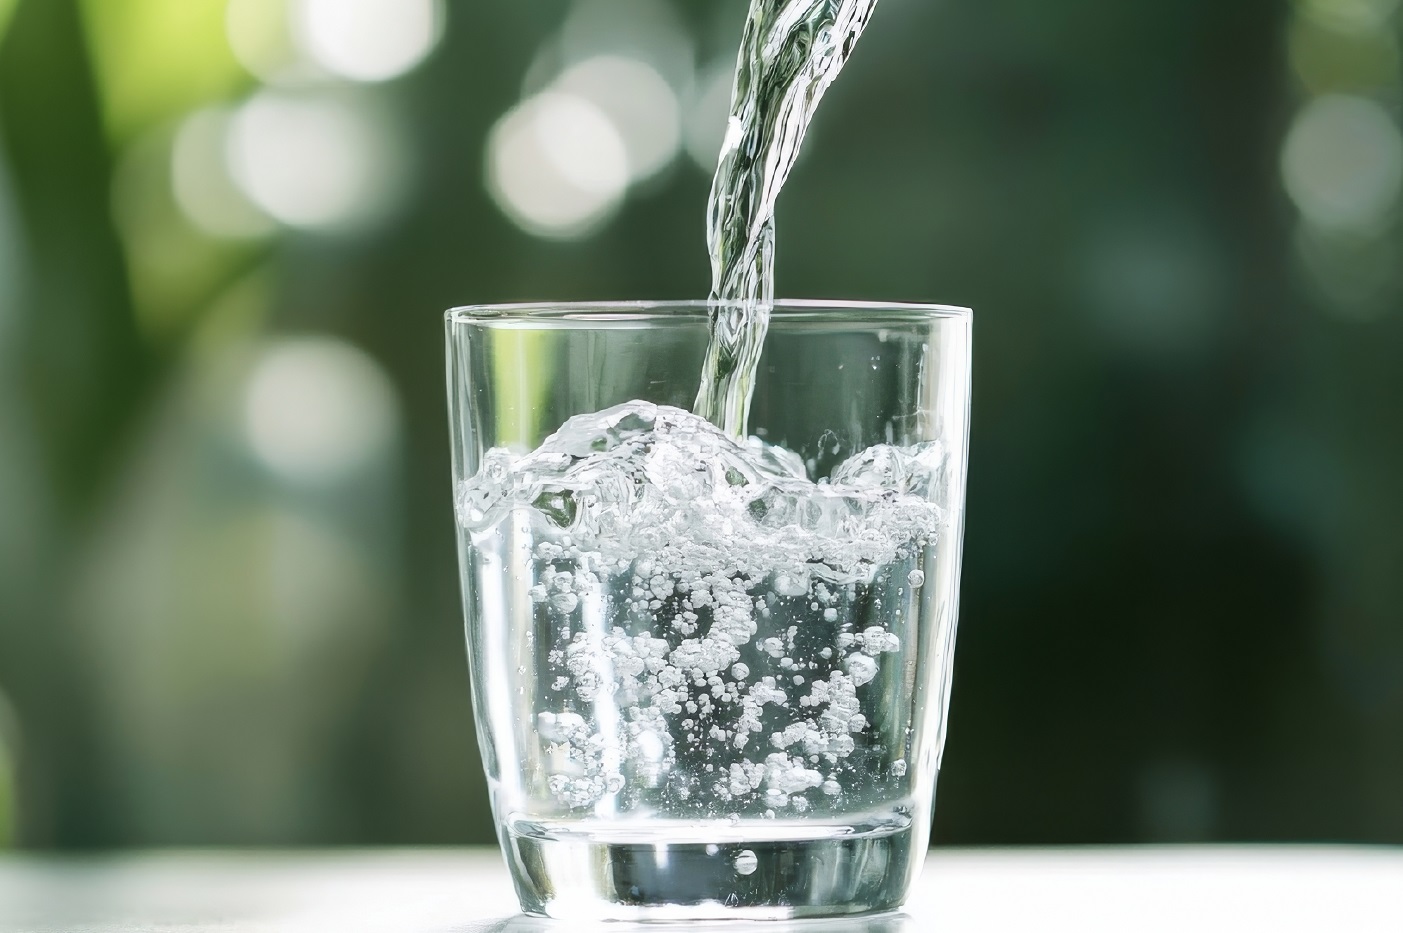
(228, 229)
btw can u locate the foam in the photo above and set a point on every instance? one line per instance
(690, 546)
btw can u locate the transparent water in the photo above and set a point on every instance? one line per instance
(707, 648)
(716, 664)
(786, 869)
(791, 52)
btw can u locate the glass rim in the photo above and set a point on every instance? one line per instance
(780, 308)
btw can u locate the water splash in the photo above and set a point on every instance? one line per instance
(716, 619)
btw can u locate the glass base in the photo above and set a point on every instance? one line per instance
(691, 870)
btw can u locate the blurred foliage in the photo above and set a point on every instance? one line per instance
(158, 59)
(228, 607)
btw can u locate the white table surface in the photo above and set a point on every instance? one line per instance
(1236, 889)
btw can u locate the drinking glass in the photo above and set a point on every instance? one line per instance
(710, 675)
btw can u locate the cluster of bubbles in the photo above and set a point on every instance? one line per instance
(707, 594)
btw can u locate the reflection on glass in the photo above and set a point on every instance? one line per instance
(893, 923)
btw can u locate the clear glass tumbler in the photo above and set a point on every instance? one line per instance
(710, 675)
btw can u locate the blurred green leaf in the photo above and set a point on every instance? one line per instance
(177, 271)
(155, 62)
(157, 59)
(82, 375)
(6, 8)
(86, 369)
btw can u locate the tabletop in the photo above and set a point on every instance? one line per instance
(1199, 889)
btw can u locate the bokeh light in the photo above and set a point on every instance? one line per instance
(638, 101)
(203, 184)
(1327, 61)
(1350, 15)
(557, 166)
(317, 409)
(707, 113)
(1343, 162)
(368, 40)
(313, 162)
(184, 183)
(648, 30)
(602, 110)
(1357, 275)
(260, 34)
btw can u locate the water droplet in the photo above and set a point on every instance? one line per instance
(746, 862)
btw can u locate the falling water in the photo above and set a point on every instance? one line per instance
(791, 52)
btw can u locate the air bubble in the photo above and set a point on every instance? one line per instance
(746, 862)
(861, 668)
(792, 584)
(666, 578)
